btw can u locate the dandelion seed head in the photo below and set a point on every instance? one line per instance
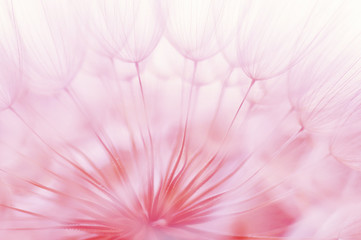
(179, 119)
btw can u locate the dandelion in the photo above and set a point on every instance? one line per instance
(179, 120)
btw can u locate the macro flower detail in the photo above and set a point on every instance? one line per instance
(180, 119)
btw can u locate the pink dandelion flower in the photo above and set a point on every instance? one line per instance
(180, 119)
